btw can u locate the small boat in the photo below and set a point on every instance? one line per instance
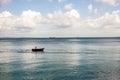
(38, 50)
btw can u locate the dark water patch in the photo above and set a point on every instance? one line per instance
(16, 51)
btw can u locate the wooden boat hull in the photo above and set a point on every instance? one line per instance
(38, 50)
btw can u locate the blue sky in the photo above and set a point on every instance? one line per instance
(62, 18)
(46, 6)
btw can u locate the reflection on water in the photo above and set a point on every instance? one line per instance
(62, 60)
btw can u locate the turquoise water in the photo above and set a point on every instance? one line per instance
(63, 59)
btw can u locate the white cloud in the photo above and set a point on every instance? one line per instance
(68, 6)
(63, 20)
(73, 13)
(109, 2)
(27, 21)
(69, 23)
(92, 10)
(2, 2)
(111, 21)
(50, 0)
(6, 21)
(62, 0)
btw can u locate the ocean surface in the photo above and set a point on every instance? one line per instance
(63, 59)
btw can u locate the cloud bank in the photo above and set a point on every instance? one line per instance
(32, 22)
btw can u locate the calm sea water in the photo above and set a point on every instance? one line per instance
(63, 59)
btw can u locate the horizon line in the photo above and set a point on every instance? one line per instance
(57, 37)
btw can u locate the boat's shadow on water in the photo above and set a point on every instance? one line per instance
(38, 52)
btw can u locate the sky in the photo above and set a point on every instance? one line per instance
(59, 18)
